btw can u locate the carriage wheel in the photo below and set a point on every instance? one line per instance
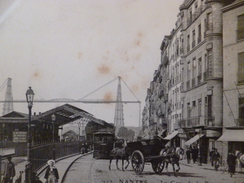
(157, 166)
(137, 161)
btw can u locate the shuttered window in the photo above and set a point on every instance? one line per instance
(241, 67)
(240, 27)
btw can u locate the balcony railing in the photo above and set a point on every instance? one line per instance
(240, 122)
(189, 122)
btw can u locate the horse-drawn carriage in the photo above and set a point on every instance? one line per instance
(149, 150)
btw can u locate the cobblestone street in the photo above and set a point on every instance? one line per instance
(88, 170)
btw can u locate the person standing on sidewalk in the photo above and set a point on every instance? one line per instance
(9, 171)
(215, 159)
(194, 154)
(231, 161)
(51, 174)
(210, 155)
(188, 155)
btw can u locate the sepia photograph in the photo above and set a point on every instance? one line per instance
(121, 91)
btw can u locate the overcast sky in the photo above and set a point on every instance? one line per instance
(69, 48)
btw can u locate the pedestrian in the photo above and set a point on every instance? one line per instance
(194, 154)
(188, 155)
(9, 171)
(231, 161)
(215, 159)
(210, 155)
(51, 174)
(239, 163)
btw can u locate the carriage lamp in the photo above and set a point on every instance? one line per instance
(28, 169)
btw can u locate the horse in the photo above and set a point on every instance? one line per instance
(119, 153)
(172, 157)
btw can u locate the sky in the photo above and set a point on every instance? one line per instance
(70, 48)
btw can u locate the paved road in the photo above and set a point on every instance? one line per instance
(88, 170)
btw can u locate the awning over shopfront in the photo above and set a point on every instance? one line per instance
(236, 135)
(172, 135)
(193, 139)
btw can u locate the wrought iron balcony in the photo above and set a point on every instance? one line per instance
(189, 122)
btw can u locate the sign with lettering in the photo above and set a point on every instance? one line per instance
(19, 136)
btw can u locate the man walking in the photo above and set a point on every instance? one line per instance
(188, 155)
(9, 171)
(215, 159)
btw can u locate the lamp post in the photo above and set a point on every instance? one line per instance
(53, 138)
(28, 169)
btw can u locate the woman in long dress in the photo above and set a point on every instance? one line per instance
(51, 174)
(231, 160)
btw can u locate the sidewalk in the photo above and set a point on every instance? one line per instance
(62, 165)
(207, 166)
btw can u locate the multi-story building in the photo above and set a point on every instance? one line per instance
(190, 76)
(233, 80)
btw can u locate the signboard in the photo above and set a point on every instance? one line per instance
(19, 136)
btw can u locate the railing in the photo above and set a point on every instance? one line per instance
(41, 153)
(239, 122)
(189, 122)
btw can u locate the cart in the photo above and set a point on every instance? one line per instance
(147, 151)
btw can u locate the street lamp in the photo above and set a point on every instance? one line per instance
(28, 171)
(53, 139)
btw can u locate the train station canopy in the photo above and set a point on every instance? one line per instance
(64, 114)
(194, 139)
(172, 135)
(234, 135)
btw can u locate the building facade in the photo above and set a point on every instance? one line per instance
(192, 75)
(233, 80)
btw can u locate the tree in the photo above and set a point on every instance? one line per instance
(126, 134)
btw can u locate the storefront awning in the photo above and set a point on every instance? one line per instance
(193, 139)
(172, 135)
(236, 135)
